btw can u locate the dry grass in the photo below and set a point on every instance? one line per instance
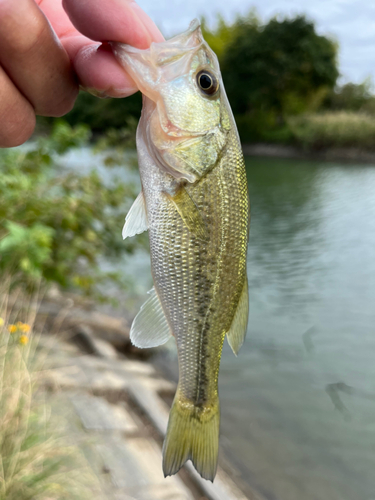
(35, 461)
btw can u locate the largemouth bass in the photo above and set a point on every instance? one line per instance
(194, 202)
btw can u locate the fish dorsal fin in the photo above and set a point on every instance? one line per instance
(237, 331)
(150, 327)
(189, 213)
(136, 220)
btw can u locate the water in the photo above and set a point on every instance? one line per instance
(298, 404)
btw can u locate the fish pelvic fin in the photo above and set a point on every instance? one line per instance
(150, 327)
(192, 434)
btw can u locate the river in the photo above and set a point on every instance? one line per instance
(298, 403)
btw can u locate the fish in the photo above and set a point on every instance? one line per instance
(195, 204)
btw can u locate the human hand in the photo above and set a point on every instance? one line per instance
(46, 52)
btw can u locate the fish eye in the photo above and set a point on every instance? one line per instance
(207, 82)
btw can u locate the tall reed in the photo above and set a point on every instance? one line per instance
(334, 129)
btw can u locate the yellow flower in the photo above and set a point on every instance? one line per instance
(12, 328)
(23, 339)
(24, 327)
(1, 322)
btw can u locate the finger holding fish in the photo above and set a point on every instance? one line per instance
(94, 63)
(47, 53)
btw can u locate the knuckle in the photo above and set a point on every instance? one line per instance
(25, 45)
(11, 23)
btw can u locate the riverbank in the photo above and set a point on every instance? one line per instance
(293, 152)
(116, 406)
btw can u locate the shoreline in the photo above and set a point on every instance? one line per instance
(118, 399)
(348, 155)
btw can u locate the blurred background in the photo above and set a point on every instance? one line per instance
(298, 404)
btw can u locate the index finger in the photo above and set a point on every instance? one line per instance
(92, 21)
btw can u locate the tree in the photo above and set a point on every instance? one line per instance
(224, 33)
(281, 68)
(351, 97)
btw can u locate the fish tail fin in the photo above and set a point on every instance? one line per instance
(193, 433)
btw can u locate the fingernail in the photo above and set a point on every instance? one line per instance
(110, 93)
(102, 94)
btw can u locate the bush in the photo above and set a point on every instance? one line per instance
(57, 224)
(100, 114)
(351, 97)
(262, 127)
(340, 129)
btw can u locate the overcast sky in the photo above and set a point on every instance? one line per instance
(350, 22)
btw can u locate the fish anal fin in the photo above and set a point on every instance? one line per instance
(189, 213)
(150, 327)
(237, 332)
(136, 220)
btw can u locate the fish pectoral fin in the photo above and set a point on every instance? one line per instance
(189, 213)
(136, 220)
(237, 332)
(150, 327)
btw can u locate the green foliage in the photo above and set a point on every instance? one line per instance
(100, 114)
(351, 97)
(58, 224)
(337, 129)
(283, 67)
(224, 33)
(30, 247)
(279, 75)
(261, 126)
(118, 143)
